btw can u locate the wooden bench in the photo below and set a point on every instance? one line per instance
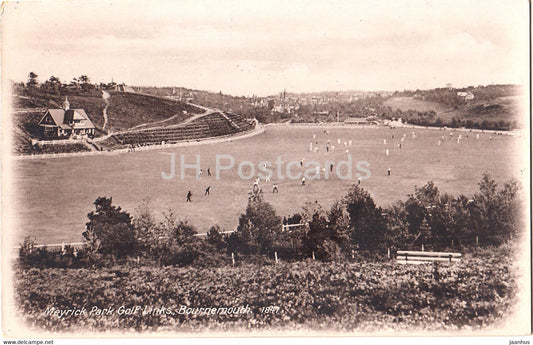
(417, 257)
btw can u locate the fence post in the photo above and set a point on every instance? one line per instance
(353, 255)
(276, 256)
(477, 241)
(313, 255)
(232, 259)
(422, 246)
(388, 252)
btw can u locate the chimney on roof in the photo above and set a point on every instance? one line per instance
(66, 104)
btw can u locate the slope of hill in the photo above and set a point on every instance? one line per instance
(127, 110)
(416, 104)
(509, 109)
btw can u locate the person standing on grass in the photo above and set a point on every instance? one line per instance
(275, 188)
(303, 181)
(207, 190)
(388, 172)
(208, 172)
(200, 174)
(189, 194)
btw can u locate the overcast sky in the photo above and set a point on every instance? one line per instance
(261, 47)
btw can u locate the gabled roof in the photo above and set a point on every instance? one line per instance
(74, 114)
(64, 119)
(57, 115)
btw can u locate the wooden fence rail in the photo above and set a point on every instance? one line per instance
(78, 244)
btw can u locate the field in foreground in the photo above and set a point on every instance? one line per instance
(52, 197)
(477, 294)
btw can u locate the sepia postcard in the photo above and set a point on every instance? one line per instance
(264, 169)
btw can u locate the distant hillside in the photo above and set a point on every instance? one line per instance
(502, 108)
(497, 106)
(411, 103)
(127, 110)
(509, 109)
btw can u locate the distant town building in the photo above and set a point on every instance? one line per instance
(466, 95)
(279, 108)
(66, 122)
(282, 95)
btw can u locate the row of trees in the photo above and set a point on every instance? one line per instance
(425, 119)
(54, 86)
(355, 223)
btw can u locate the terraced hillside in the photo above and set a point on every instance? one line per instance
(210, 125)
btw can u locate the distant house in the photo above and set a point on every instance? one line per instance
(468, 96)
(66, 122)
(395, 123)
(278, 109)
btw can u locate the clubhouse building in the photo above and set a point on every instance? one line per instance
(66, 122)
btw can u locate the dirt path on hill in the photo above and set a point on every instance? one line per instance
(207, 111)
(105, 96)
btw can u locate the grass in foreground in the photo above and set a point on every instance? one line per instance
(337, 296)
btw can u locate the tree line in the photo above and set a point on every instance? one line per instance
(354, 224)
(55, 86)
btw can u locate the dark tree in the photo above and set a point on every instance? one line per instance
(367, 226)
(32, 80)
(109, 230)
(215, 237)
(259, 225)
